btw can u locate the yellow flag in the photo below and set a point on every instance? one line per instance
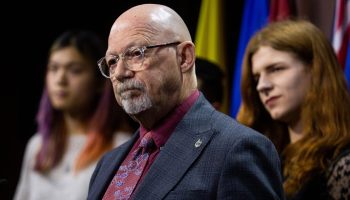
(209, 39)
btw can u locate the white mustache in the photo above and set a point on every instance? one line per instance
(130, 85)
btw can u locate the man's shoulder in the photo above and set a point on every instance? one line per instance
(222, 121)
(230, 129)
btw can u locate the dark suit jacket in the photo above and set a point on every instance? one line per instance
(231, 162)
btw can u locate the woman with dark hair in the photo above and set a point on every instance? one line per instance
(294, 91)
(78, 120)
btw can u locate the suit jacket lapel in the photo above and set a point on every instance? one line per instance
(112, 163)
(183, 147)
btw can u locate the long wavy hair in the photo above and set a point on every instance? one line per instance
(103, 120)
(325, 111)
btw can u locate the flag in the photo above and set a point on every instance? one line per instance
(347, 66)
(255, 16)
(341, 30)
(279, 10)
(209, 39)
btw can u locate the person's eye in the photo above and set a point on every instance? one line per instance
(76, 68)
(52, 67)
(112, 61)
(276, 68)
(133, 53)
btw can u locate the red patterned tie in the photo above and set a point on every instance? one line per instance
(129, 173)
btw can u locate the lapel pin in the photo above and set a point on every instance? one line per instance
(198, 143)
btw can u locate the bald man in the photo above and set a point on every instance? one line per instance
(184, 148)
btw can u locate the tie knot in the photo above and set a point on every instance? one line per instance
(146, 142)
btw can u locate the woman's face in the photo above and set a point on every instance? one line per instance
(71, 81)
(282, 82)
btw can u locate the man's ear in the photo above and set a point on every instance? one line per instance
(186, 55)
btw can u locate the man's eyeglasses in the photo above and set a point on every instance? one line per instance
(133, 58)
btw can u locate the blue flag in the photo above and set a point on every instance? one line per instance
(347, 65)
(255, 16)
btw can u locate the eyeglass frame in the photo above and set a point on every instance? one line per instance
(121, 55)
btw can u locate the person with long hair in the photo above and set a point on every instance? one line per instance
(294, 91)
(77, 121)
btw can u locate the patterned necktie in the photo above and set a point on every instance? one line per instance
(129, 173)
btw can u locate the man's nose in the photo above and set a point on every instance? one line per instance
(121, 71)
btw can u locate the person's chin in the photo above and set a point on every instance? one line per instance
(134, 111)
(276, 114)
(59, 105)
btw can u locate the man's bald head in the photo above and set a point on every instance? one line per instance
(155, 20)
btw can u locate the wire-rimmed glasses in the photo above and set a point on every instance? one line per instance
(133, 58)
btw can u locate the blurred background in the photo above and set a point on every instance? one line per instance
(228, 24)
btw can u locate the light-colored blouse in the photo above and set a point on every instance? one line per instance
(60, 183)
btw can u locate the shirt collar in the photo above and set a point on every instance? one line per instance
(162, 132)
